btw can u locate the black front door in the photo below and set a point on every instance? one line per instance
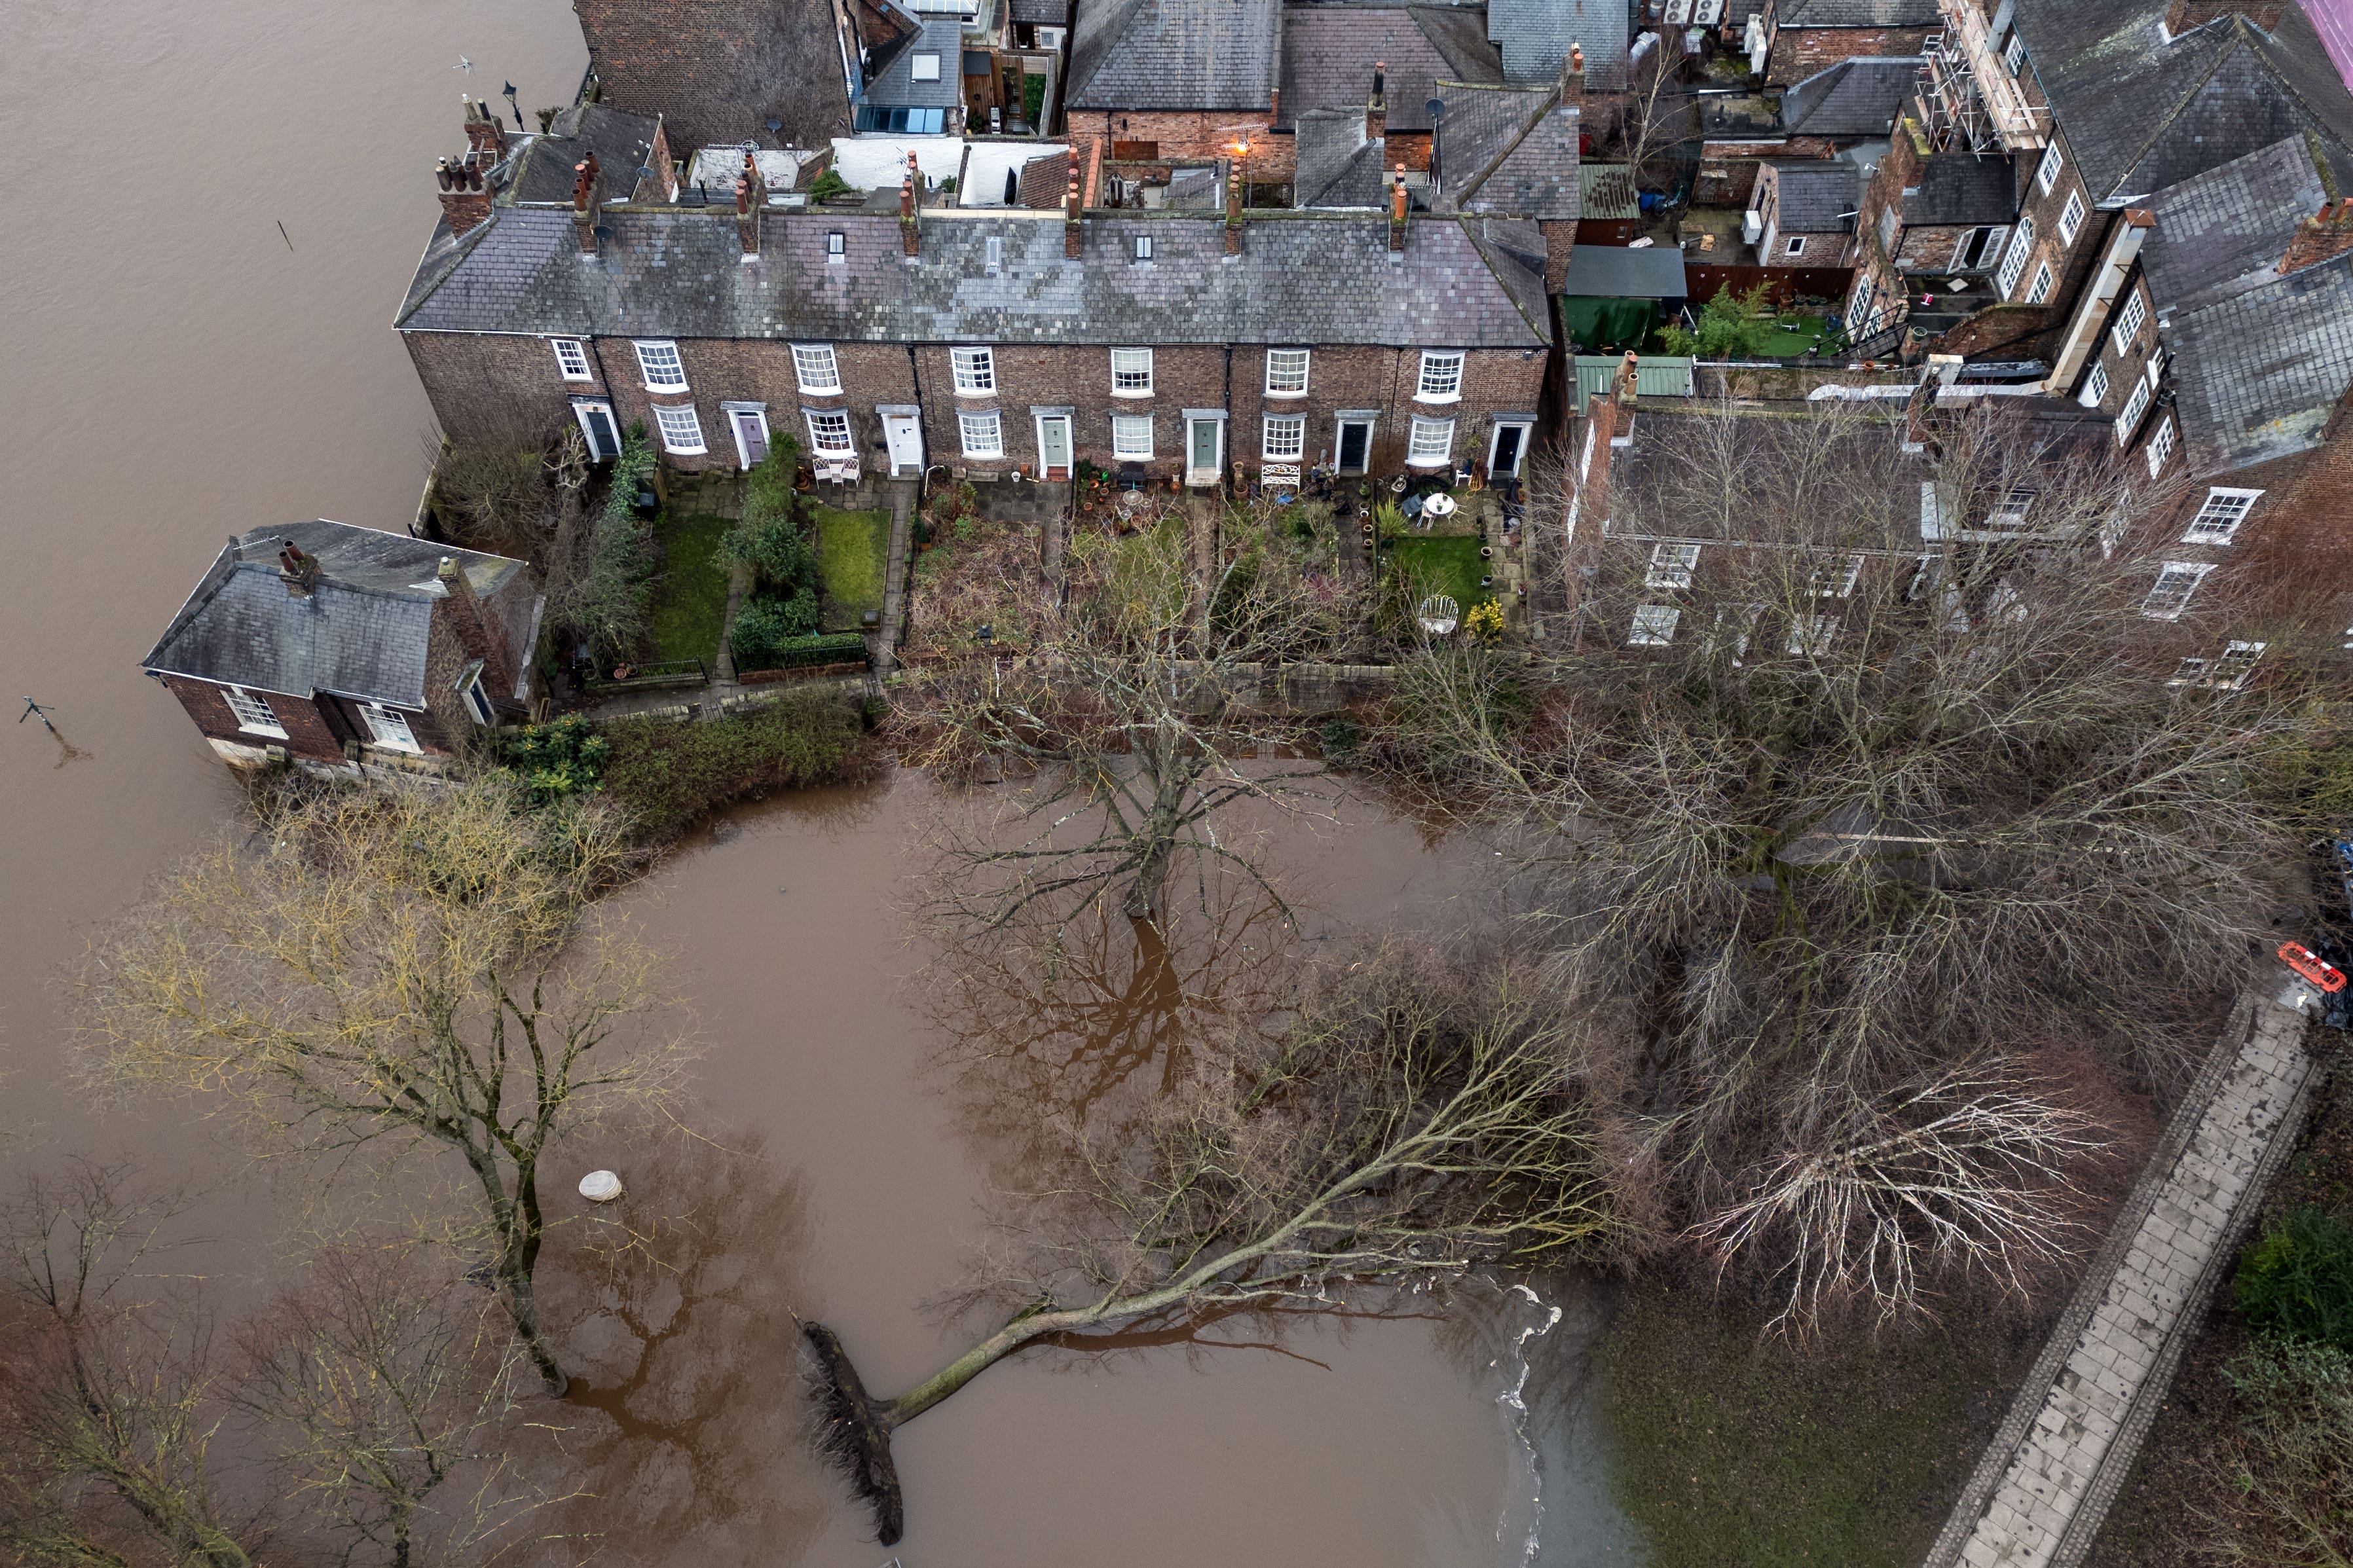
(603, 446)
(1354, 434)
(1507, 452)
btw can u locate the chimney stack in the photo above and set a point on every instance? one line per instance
(483, 134)
(299, 571)
(1377, 108)
(1397, 213)
(2185, 15)
(1073, 234)
(2321, 238)
(751, 196)
(478, 634)
(1233, 209)
(1629, 377)
(587, 198)
(1572, 76)
(465, 196)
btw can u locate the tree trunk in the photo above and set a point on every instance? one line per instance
(522, 1305)
(979, 1359)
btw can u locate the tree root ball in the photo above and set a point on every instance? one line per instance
(853, 1436)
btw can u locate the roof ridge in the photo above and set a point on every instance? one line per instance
(1542, 327)
(1510, 147)
(2159, 125)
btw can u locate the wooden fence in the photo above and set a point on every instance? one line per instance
(1788, 283)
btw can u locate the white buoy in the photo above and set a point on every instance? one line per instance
(600, 1187)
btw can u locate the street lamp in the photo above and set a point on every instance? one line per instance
(509, 95)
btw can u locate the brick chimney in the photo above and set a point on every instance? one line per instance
(1377, 108)
(1073, 232)
(1572, 75)
(751, 196)
(587, 198)
(301, 571)
(483, 135)
(465, 197)
(2321, 238)
(1397, 200)
(477, 633)
(910, 223)
(1233, 209)
(2183, 16)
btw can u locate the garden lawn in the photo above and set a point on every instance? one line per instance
(1731, 1451)
(853, 551)
(1782, 342)
(689, 609)
(1448, 563)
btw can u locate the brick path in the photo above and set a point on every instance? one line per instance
(2045, 1483)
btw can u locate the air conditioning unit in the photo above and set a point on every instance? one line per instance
(1708, 13)
(1679, 13)
(1752, 226)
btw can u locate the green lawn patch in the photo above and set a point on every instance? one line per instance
(1793, 336)
(689, 609)
(853, 552)
(1735, 1452)
(1450, 564)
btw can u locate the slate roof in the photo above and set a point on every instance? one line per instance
(1329, 51)
(361, 633)
(1508, 149)
(2258, 373)
(1337, 167)
(540, 169)
(896, 87)
(1962, 188)
(718, 73)
(1856, 14)
(1535, 36)
(2224, 231)
(1042, 13)
(1176, 54)
(679, 274)
(1860, 96)
(1618, 272)
(1606, 191)
(1817, 196)
(2140, 113)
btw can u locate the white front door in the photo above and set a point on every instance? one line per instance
(1205, 450)
(751, 428)
(1053, 446)
(905, 439)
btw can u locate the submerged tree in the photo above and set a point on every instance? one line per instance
(1132, 719)
(1840, 824)
(1407, 1126)
(413, 964)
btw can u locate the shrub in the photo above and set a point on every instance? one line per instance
(670, 775)
(607, 602)
(764, 625)
(565, 758)
(776, 550)
(1484, 622)
(1730, 326)
(827, 186)
(2295, 1448)
(2296, 1281)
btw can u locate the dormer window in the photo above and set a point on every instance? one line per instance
(994, 255)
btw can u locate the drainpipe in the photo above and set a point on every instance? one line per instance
(2092, 312)
(923, 426)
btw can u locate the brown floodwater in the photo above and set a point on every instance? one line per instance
(175, 370)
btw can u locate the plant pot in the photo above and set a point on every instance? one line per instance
(1486, 552)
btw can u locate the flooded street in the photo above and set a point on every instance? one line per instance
(179, 370)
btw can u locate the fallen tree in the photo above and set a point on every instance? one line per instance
(1409, 1126)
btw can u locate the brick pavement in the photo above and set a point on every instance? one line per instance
(2042, 1488)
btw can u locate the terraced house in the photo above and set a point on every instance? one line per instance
(1186, 343)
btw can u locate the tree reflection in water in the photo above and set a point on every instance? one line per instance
(678, 1303)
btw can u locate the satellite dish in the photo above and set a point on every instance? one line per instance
(1436, 108)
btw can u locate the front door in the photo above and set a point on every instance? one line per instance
(1355, 444)
(905, 439)
(1054, 446)
(1204, 450)
(750, 435)
(1504, 461)
(596, 424)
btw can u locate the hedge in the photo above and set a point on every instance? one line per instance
(671, 774)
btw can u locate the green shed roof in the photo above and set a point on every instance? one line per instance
(1655, 375)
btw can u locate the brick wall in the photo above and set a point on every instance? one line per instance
(310, 733)
(1798, 52)
(1195, 134)
(499, 389)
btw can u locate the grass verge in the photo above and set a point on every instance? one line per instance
(670, 775)
(1733, 1451)
(1448, 563)
(689, 609)
(853, 554)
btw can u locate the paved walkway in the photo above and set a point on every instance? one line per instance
(904, 494)
(2046, 1481)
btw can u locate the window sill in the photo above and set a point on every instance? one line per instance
(1145, 392)
(1287, 397)
(985, 457)
(2208, 542)
(975, 391)
(1117, 457)
(821, 392)
(576, 379)
(1436, 397)
(667, 391)
(1439, 462)
(686, 451)
(275, 734)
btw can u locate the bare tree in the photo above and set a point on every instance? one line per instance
(1829, 812)
(1131, 720)
(413, 964)
(1408, 1126)
(375, 1382)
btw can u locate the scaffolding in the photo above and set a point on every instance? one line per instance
(1957, 118)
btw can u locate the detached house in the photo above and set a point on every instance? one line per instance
(329, 645)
